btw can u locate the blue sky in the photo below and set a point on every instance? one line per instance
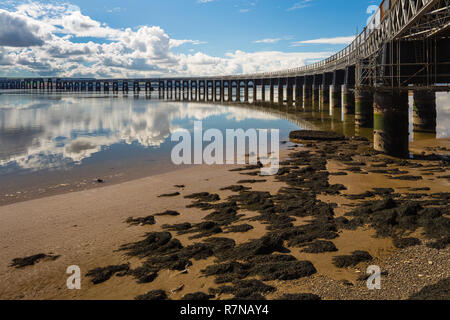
(90, 38)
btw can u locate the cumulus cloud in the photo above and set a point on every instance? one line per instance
(15, 31)
(46, 39)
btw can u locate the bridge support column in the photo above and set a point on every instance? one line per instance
(298, 92)
(230, 91)
(290, 92)
(307, 96)
(324, 96)
(315, 93)
(246, 91)
(348, 100)
(335, 96)
(391, 125)
(263, 91)
(425, 111)
(255, 92)
(363, 108)
(280, 92)
(271, 91)
(238, 91)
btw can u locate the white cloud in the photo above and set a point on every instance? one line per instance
(336, 40)
(46, 47)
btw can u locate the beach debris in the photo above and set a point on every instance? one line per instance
(19, 263)
(100, 180)
(178, 289)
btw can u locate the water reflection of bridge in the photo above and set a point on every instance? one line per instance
(405, 47)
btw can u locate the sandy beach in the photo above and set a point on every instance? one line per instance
(86, 228)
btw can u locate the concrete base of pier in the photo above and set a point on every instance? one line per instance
(425, 111)
(391, 125)
(363, 108)
(348, 100)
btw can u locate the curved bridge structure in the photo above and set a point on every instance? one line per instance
(405, 47)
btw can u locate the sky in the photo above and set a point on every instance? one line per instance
(152, 38)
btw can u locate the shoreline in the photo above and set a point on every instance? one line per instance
(86, 228)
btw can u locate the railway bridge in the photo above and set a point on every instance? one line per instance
(404, 48)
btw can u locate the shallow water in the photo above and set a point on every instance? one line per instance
(60, 137)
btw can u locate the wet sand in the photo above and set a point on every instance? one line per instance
(86, 228)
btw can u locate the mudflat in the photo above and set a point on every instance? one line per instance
(219, 232)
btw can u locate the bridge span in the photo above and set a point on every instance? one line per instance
(405, 47)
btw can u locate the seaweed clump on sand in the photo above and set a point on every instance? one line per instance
(155, 295)
(438, 291)
(19, 263)
(316, 135)
(150, 220)
(245, 290)
(162, 252)
(351, 260)
(267, 267)
(402, 243)
(394, 218)
(100, 275)
(198, 296)
(300, 297)
(319, 246)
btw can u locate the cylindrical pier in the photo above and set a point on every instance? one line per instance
(246, 91)
(363, 108)
(348, 100)
(335, 97)
(271, 91)
(307, 96)
(425, 111)
(315, 92)
(280, 92)
(324, 95)
(289, 93)
(391, 125)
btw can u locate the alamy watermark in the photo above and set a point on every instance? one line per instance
(238, 145)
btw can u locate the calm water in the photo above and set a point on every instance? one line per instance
(61, 137)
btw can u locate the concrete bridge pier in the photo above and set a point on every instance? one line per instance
(255, 92)
(115, 86)
(246, 91)
(222, 90)
(106, 86)
(263, 91)
(238, 91)
(335, 96)
(425, 111)
(177, 90)
(299, 92)
(161, 87)
(307, 96)
(324, 96)
(348, 100)
(272, 91)
(194, 90)
(185, 90)
(391, 122)
(363, 108)
(280, 92)
(290, 92)
(230, 91)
